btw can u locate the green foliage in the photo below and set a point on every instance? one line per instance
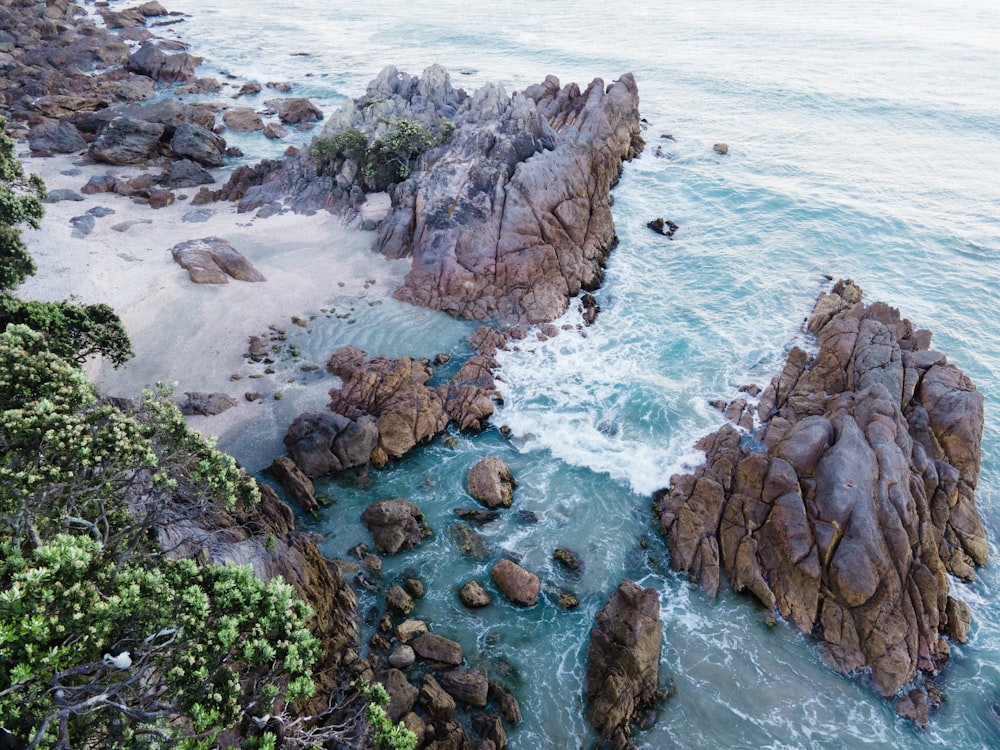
(83, 489)
(384, 734)
(189, 632)
(20, 204)
(74, 332)
(398, 150)
(386, 160)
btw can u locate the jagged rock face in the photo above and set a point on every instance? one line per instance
(863, 503)
(511, 216)
(623, 660)
(395, 393)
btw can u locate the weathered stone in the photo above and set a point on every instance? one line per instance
(438, 651)
(402, 657)
(506, 702)
(395, 393)
(298, 110)
(206, 404)
(125, 140)
(474, 596)
(490, 727)
(395, 525)
(439, 705)
(468, 686)
(149, 60)
(398, 601)
(410, 629)
(59, 138)
(186, 173)
(623, 659)
(213, 260)
(491, 483)
(402, 695)
(863, 503)
(298, 486)
(516, 583)
(242, 119)
(469, 542)
(199, 144)
(325, 442)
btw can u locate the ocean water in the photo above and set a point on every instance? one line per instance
(864, 142)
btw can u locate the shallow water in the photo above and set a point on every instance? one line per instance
(864, 142)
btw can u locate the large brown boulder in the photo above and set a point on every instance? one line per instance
(517, 584)
(438, 651)
(623, 661)
(395, 392)
(325, 442)
(863, 503)
(212, 260)
(491, 483)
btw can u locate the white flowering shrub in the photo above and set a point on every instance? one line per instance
(81, 582)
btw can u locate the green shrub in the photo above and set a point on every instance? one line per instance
(20, 204)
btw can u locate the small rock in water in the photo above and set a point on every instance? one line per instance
(663, 226)
(721, 148)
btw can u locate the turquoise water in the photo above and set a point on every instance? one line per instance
(864, 142)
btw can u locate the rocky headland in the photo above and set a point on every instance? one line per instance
(844, 498)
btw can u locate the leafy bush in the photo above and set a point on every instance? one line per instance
(74, 332)
(385, 160)
(20, 204)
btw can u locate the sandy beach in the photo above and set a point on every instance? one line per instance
(192, 335)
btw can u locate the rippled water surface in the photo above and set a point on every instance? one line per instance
(864, 142)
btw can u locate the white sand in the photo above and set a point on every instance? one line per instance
(190, 334)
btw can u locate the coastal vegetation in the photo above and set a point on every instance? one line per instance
(108, 636)
(387, 159)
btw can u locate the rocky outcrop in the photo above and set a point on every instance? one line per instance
(623, 662)
(325, 442)
(395, 393)
(213, 260)
(503, 202)
(850, 506)
(511, 217)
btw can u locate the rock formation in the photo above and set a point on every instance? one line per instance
(503, 202)
(511, 217)
(213, 260)
(854, 500)
(623, 661)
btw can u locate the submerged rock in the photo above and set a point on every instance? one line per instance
(863, 503)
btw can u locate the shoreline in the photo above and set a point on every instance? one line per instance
(195, 335)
